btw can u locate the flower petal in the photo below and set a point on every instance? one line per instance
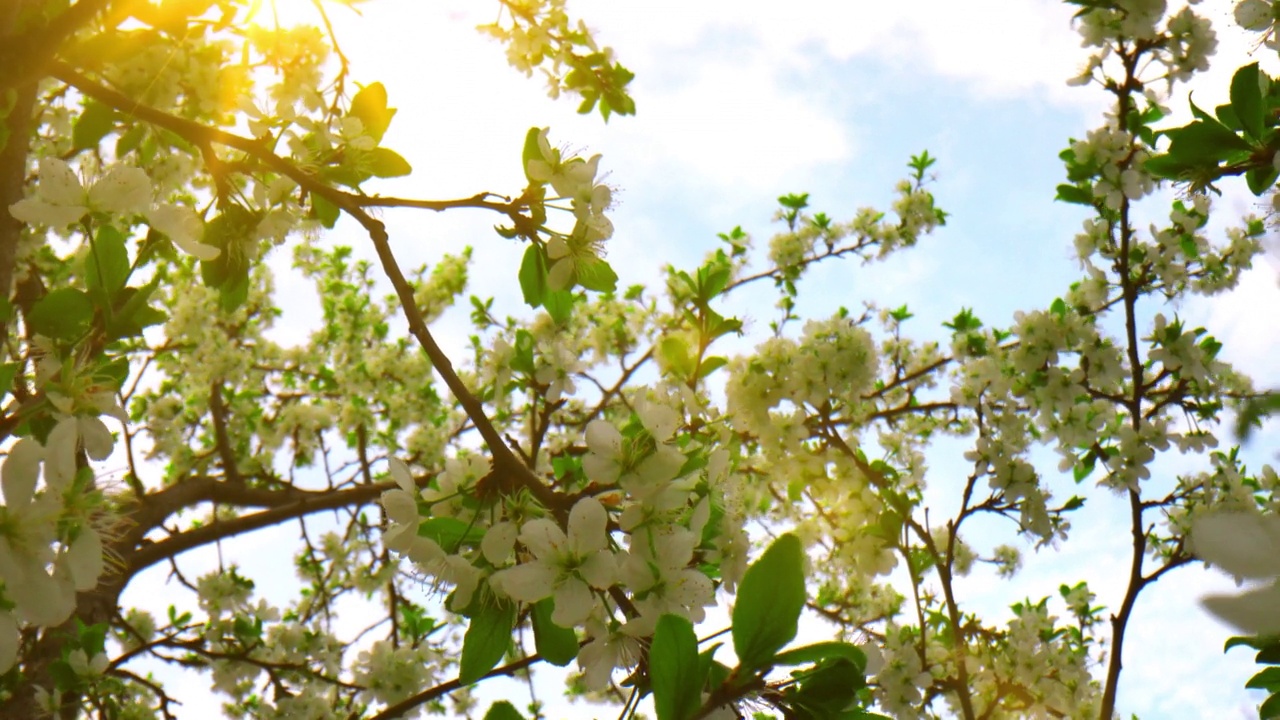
(660, 420)
(464, 576)
(528, 583)
(59, 184)
(574, 603)
(499, 542)
(37, 212)
(588, 522)
(1243, 544)
(60, 453)
(600, 469)
(124, 190)
(600, 570)
(604, 439)
(399, 538)
(401, 507)
(557, 248)
(1256, 612)
(84, 559)
(561, 275)
(400, 473)
(185, 228)
(20, 473)
(425, 552)
(96, 437)
(544, 538)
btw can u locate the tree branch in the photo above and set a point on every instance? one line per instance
(506, 464)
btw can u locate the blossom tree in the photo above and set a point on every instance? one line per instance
(599, 474)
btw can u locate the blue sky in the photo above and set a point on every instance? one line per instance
(740, 102)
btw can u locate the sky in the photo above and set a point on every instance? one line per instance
(740, 102)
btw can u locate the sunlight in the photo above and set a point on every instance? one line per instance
(281, 13)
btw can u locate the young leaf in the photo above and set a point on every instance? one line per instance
(450, 533)
(503, 710)
(486, 641)
(63, 314)
(370, 105)
(673, 669)
(559, 305)
(1260, 179)
(324, 211)
(532, 151)
(1270, 709)
(556, 645)
(107, 264)
(94, 123)
(7, 373)
(1268, 679)
(770, 599)
(386, 163)
(827, 690)
(1246, 100)
(533, 275)
(1204, 141)
(822, 651)
(134, 314)
(595, 274)
(1073, 194)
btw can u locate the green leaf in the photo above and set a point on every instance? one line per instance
(715, 672)
(63, 314)
(674, 352)
(94, 123)
(134, 313)
(450, 533)
(1246, 100)
(673, 669)
(532, 151)
(770, 598)
(556, 645)
(1270, 709)
(1260, 179)
(1074, 194)
(1207, 140)
(1241, 640)
(234, 293)
(385, 163)
(486, 641)
(370, 105)
(595, 274)
(1170, 167)
(116, 370)
(107, 265)
(822, 651)
(559, 305)
(710, 365)
(503, 710)
(130, 140)
(1269, 655)
(533, 275)
(1227, 116)
(1268, 679)
(229, 232)
(1084, 468)
(7, 372)
(324, 211)
(827, 690)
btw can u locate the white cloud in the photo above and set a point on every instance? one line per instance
(999, 47)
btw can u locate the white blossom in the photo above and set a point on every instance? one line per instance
(565, 567)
